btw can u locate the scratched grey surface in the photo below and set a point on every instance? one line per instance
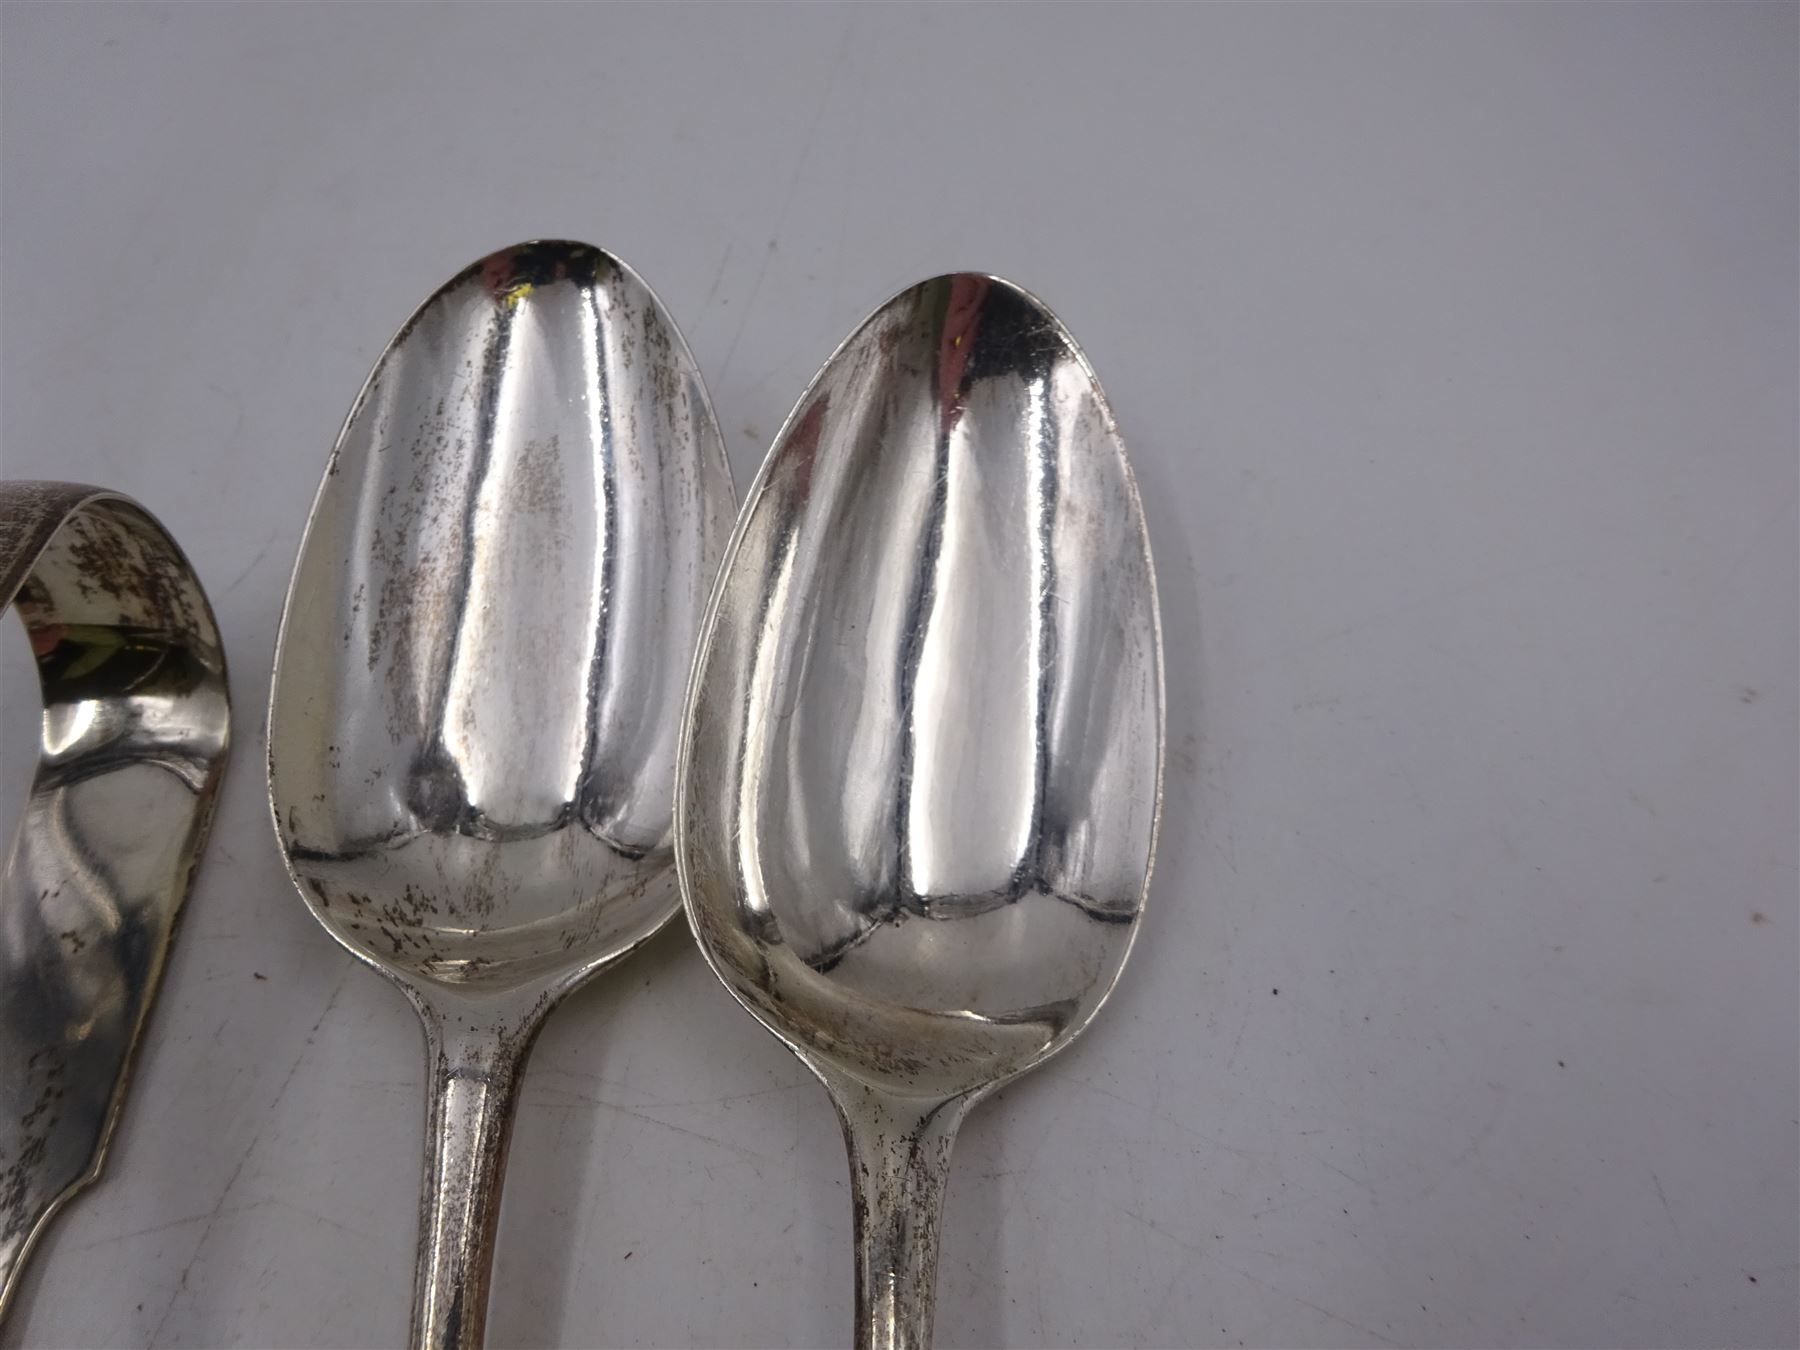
(1456, 350)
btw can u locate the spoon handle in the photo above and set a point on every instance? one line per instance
(899, 1162)
(475, 1071)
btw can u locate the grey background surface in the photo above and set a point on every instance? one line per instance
(1456, 349)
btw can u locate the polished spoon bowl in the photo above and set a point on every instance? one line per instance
(478, 685)
(921, 762)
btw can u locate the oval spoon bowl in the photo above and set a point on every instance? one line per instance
(478, 687)
(921, 765)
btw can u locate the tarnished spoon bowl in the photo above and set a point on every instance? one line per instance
(920, 771)
(478, 687)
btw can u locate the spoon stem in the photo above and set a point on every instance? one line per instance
(475, 1071)
(899, 1162)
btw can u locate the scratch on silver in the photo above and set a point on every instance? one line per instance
(920, 770)
(136, 724)
(472, 730)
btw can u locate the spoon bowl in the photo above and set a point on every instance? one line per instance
(921, 764)
(478, 687)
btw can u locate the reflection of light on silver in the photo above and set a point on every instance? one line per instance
(1040, 465)
(765, 653)
(132, 747)
(474, 640)
(69, 725)
(966, 568)
(596, 400)
(431, 780)
(938, 761)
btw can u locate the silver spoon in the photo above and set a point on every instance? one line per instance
(921, 762)
(477, 690)
(132, 746)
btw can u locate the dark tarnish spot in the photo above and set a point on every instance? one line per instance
(536, 484)
(436, 791)
(112, 558)
(453, 1319)
(37, 1125)
(665, 370)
